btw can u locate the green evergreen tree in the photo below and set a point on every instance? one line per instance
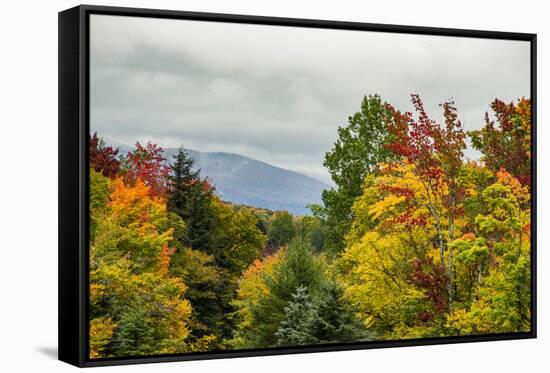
(300, 317)
(196, 259)
(229, 238)
(190, 197)
(335, 318)
(323, 317)
(135, 333)
(299, 268)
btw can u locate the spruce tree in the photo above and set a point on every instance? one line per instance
(321, 317)
(336, 320)
(190, 198)
(196, 260)
(299, 268)
(181, 178)
(301, 315)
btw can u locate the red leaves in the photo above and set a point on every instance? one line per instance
(507, 143)
(435, 150)
(147, 163)
(432, 148)
(424, 316)
(416, 141)
(450, 140)
(408, 219)
(430, 277)
(205, 185)
(399, 191)
(103, 158)
(503, 113)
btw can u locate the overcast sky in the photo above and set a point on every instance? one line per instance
(278, 94)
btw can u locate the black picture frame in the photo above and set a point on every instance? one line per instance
(74, 184)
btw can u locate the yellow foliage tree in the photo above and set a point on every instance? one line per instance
(375, 272)
(136, 306)
(101, 332)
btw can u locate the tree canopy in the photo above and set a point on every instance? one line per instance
(414, 241)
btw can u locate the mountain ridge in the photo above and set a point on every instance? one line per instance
(241, 179)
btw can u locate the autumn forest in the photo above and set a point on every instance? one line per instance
(415, 240)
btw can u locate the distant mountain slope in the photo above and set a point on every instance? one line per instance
(244, 180)
(247, 181)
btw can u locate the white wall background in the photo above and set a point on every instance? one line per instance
(28, 185)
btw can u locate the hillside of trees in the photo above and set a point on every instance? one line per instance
(414, 241)
(243, 180)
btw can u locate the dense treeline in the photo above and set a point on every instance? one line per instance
(429, 244)
(414, 241)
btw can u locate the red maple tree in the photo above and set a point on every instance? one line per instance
(103, 158)
(147, 164)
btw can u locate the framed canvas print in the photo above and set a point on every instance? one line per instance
(236, 186)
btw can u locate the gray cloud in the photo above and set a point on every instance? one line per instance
(278, 94)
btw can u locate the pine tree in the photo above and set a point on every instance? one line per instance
(181, 178)
(299, 268)
(197, 258)
(322, 317)
(190, 198)
(336, 320)
(300, 314)
(135, 333)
